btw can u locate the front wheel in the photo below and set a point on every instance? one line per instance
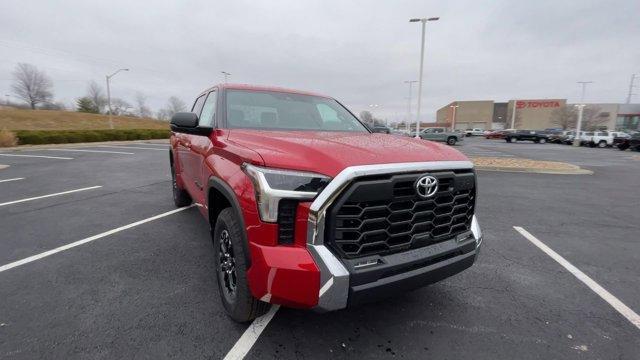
(542, 141)
(231, 270)
(451, 141)
(602, 144)
(623, 147)
(180, 196)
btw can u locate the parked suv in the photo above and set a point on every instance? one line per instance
(625, 142)
(527, 135)
(441, 134)
(309, 209)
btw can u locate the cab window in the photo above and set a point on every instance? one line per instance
(197, 105)
(207, 118)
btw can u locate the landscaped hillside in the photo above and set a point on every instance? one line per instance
(15, 119)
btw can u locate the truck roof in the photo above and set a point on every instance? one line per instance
(264, 88)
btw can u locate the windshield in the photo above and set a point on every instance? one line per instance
(272, 110)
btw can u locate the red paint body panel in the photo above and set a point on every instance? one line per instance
(286, 275)
(329, 153)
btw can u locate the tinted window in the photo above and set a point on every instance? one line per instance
(208, 110)
(197, 106)
(272, 110)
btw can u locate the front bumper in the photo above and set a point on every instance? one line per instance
(349, 282)
(309, 275)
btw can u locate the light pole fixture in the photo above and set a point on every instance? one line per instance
(424, 23)
(109, 95)
(584, 88)
(226, 74)
(453, 117)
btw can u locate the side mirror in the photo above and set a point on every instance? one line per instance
(184, 120)
(187, 122)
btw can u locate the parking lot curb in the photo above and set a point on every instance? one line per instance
(3, 166)
(576, 171)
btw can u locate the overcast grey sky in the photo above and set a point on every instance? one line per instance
(357, 51)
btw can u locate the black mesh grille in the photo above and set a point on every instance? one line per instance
(286, 221)
(385, 215)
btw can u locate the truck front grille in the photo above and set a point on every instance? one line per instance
(382, 215)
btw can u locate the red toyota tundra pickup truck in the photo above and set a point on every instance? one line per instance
(309, 209)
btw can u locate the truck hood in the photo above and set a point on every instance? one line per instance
(329, 153)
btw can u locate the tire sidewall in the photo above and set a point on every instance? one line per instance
(241, 308)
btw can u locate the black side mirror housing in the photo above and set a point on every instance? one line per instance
(187, 122)
(184, 120)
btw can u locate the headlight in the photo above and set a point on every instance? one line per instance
(271, 185)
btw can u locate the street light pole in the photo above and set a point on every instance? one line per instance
(453, 119)
(226, 74)
(513, 115)
(584, 88)
(109, 95)
(410, 82)
(631, 86)
(424, 23)
(576, 138)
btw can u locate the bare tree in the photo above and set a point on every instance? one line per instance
(120, 107)
(564, 117)
(163, 115)
(174, 105)
(95, 93)
(141, 105)
(31, 85)
(592, 117)
(366, 117)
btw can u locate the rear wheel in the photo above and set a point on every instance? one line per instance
(542, 140)
(231, 270)
(180, 196)
(623, 147)
(451, 140)
(602, 144)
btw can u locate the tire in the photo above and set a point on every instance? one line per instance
(602, 144)
(622, 147)
(542, 141)
(180, 196)
(451, 140)
(508, 139)
(231, 270)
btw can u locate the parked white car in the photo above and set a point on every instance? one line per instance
(603, 139)
(474, 132)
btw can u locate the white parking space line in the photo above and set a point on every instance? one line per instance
(251, 335)
(86, 240)
(14, 179)
(131, 147)
(623, 309)
(49, 195)
(93, 151)
(38, 156)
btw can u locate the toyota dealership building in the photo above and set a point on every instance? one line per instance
(535, 114)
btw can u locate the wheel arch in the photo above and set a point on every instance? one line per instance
(221, 196)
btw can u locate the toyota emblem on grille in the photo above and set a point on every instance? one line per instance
(426, 186)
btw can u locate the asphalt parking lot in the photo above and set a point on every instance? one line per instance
(148, 290)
